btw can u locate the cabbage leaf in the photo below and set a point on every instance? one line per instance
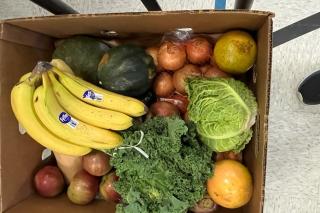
(224, 110)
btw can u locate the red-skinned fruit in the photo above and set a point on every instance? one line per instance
(49, 181)
(83, 188)
(107, 190)
(96, 163)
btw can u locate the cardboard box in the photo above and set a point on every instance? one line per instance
(25, 41)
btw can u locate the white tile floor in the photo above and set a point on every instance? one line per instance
(293, 163)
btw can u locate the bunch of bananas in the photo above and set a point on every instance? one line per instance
(69, 115)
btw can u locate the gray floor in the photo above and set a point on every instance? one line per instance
(293, 164)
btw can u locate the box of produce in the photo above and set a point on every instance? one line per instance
(161, 112)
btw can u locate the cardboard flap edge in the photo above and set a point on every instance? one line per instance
(15, 34)
(153, 13)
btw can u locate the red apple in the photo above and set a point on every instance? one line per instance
(83, 188)
(49, 181)
(96, 163)
(107, 189)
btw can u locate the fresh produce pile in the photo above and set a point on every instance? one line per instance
(154, 129)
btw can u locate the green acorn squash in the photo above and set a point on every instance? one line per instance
(126, 69)
(82, 54)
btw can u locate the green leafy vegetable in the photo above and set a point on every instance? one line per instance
(224, 110)
(173, 178)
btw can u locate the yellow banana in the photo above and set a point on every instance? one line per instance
(100, 97)
(87, 113)
(22, 106)
(54, 117)
(25, 76)
(61, 65)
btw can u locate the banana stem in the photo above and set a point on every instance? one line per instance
(36, 74)
(42, 66)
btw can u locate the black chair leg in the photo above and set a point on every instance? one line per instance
(56, 7)
(151, 5)
(243, 4)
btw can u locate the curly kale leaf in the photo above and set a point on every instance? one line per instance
(173, 178)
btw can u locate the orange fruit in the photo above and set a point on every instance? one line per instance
(231, 184)
(235, 52)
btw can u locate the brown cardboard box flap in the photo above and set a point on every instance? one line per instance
(20, 155)
(258, 146)
(23, 36)
(35, 204)
(144, 22)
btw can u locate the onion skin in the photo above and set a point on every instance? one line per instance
(163, 85)
(171, 56)
(199, 50)
(83, 188)
(180, 76)
(205, 205)
(186, 117)
(96, 163)
(49, 181)
(153, 52)
(179, 101)
(162, 108)
(209, 71)
(229, 155)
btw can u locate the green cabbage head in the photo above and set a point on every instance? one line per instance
(224, 110)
